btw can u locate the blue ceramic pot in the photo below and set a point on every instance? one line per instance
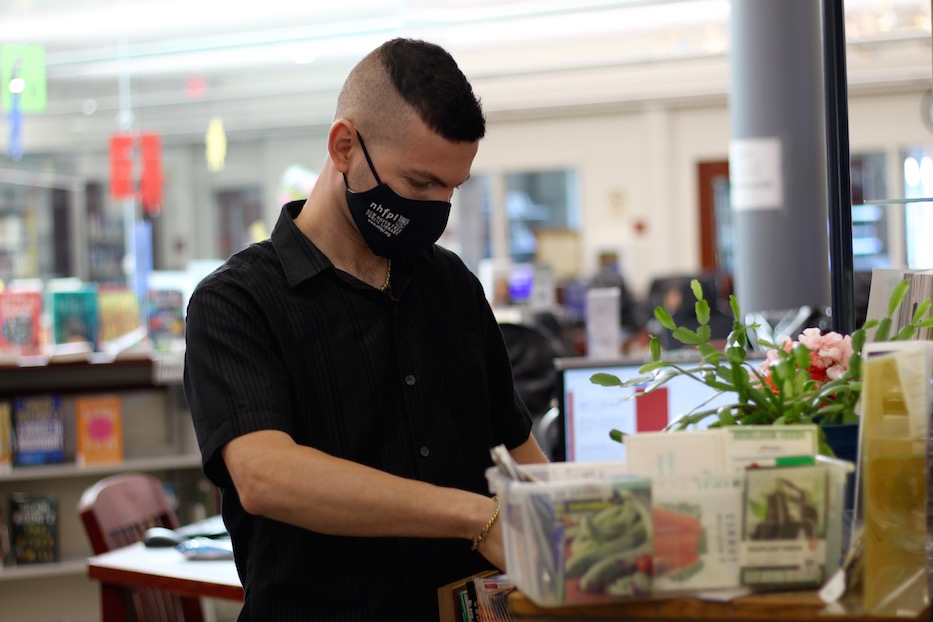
(843, 439)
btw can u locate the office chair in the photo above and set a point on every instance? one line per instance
(532, 354)
(676, 296)
(116, 512)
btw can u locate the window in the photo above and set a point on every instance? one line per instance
(869, 222)
(536, 202)
(918, 216)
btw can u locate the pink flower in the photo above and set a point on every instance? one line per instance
(836, 348)
(829, 353)
(811, 338)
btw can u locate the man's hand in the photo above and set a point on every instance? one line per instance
(493, 548)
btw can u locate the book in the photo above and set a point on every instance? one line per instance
(921, 288)
(34, 537)
(883, 281)
(118, 309)
(6, 436)
(696, 523)
(99, 425)
(38, 430)
(166, 314)
(75, 315)
(784, 527)
(20, 326)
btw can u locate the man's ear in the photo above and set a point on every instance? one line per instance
(339, 144)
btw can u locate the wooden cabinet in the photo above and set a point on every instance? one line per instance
(158, 439)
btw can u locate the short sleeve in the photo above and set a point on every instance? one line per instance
(233, 376)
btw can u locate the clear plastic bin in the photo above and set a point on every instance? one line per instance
(594, 532)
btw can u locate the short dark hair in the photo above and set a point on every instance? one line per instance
(428, 79)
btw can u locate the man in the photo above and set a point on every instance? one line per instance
(347, 378)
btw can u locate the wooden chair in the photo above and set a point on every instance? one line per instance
(116, 512)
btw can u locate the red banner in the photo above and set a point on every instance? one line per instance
(123, 150)
(121, 167)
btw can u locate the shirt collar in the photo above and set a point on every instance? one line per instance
(299, 257)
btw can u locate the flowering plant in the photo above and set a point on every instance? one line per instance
(815, 379)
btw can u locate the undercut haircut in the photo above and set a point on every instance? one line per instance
(407, 75)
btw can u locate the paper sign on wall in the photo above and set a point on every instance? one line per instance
(755, 177)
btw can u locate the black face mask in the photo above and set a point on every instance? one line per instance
(394, 226)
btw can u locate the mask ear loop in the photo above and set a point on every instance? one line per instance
(368, 159)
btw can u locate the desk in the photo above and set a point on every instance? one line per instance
(766, 607)
(162, 569)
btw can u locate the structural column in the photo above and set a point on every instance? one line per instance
(777, 156)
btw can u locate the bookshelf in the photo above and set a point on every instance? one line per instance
(158, 439)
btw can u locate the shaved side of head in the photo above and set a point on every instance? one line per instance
(406, 78)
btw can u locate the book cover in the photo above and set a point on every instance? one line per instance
(38, 430)
(6, 436)
(784, 527)
(605, 541)
(34, 528)
(697, 528)
(119, 312)
(20, 315)
(75, 316)
(166, 314)
(99, 423)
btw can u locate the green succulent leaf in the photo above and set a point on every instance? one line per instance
(702, 312)
(802, 356)
(884, 328)
(710, 354)
(734, 305)
(897, 296)
(648, 367)
(686, 336)
(920, 311)
(858, 340)
(906, 333)
(704, 333)
(654, 345)
(664, 318)
(697, 289)
(605, 380)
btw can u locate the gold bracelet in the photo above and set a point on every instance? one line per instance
(482, 535)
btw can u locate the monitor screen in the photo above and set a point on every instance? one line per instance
(590, 411)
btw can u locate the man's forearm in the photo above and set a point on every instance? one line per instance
(282, 480)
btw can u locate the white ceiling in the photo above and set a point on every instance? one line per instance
(270, 64)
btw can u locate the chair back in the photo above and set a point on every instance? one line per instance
(116, 512)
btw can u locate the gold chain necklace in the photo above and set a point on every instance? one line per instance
(385, 286)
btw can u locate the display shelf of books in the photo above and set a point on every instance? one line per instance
(65, 426)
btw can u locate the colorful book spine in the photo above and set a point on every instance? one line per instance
(166, 320)
(38, 430)
(119, 312)
(99, 421)
(34, 528)
(75, 315)
(20, 327)
(6, 436)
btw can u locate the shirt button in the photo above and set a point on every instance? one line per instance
(410, 380)
(424, 451)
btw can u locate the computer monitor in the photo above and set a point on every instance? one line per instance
(590, 411)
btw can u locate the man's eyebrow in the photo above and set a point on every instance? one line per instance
(437, 179)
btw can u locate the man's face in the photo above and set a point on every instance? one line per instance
(421, 165)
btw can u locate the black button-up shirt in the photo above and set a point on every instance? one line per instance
(417, 384)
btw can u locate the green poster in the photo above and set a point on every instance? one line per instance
(26, 62)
